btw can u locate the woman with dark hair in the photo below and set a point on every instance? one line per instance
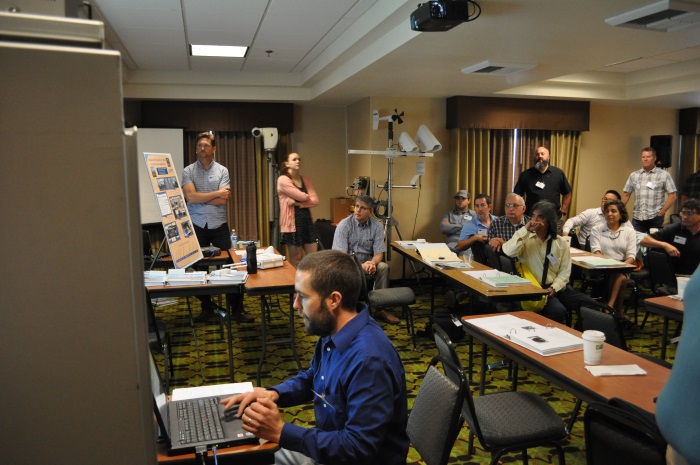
(613, 240)
(297, 195)
(537, 247)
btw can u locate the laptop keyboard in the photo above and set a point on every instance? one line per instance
(199, 420)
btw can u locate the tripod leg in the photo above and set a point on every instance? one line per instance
(413, 266)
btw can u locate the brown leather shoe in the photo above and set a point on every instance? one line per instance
(386, 317)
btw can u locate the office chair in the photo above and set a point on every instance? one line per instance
(505, 421)
(381, 299)
(619, 432)
(662, 276)
(603, 319)
(435, 421)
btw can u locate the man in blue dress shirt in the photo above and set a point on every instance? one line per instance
(356, 379)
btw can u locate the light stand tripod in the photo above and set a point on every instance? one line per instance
(387, 219)
(274, 210)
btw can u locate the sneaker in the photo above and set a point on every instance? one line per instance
(386, 317)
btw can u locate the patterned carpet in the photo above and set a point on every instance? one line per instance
(280, 364)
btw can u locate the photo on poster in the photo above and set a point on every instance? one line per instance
(177, 204)
(187, 229)
(172, 232)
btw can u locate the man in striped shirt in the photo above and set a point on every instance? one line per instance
(654, 191)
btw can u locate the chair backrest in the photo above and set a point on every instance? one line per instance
(603, 319)
(492, 259)
(435, 419)
(574, 239)
(479, 253)
(507, 264)
(446, 350)
(619, 432)
(661, 273)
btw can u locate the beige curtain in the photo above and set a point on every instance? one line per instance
(564, 150)
(501, 168)
(471, 156)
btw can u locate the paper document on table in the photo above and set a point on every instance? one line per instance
(496, 278)
(227, 389)
(616, 370)
(575, 251)
(408, 245)
(545, 341)
(227, 276)
(436, 253)
(598, 262)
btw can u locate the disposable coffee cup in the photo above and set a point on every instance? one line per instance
(592, 347)
(681, 281)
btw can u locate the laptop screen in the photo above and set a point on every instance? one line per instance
(160, 400)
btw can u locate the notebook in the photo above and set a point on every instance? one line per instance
(436, 253)
(172, 429)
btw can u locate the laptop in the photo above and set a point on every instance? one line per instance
(182, 436)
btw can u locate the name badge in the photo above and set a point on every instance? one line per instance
(651, 185)
(539, 184)
(679, 240)
(468, 217)
(552, 259)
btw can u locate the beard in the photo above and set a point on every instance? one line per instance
(540, 164)
(321, 324)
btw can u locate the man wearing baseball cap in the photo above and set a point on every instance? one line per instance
(453, 221)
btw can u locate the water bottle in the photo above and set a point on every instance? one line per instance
(251, 258)
(234, 239)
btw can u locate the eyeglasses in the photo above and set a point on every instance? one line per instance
(512, 205)
(361, 208)
(687, 213)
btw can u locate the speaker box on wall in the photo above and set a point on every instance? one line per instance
(662, 145)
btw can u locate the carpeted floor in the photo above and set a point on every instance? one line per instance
(280, 364)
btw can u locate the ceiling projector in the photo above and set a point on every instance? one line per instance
(440, 15)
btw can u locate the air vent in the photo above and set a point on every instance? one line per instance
(497, 68)
(664, 16)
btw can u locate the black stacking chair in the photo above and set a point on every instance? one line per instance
(603, 319)
(506, 421)
(435, 420)
(662, 277)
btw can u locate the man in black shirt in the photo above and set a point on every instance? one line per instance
(680, 240)
(545, 182)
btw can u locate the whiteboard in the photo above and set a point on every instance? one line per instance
(157, 141)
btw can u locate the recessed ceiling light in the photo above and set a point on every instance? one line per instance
(231, 51)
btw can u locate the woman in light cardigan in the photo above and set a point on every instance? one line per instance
(297, 195)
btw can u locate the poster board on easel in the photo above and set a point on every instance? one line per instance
(175, 217)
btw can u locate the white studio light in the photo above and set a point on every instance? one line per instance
(270, 137)
(406, 144)
(426, 141)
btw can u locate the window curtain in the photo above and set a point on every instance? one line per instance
(501, 168)
(564, 150)
(472, 168)
(235, 151)
(528, 141)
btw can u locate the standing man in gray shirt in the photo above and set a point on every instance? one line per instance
(207, 190)
(454, 220)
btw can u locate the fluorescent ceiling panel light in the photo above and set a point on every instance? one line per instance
(231, 51)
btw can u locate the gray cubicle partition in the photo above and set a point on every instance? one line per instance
(73, 345)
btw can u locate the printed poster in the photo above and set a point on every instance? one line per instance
(182, 241)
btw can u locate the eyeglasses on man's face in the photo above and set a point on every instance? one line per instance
(361, 208)
(687, 213)
(512, 205)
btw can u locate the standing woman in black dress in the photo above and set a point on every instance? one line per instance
(297, 195)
